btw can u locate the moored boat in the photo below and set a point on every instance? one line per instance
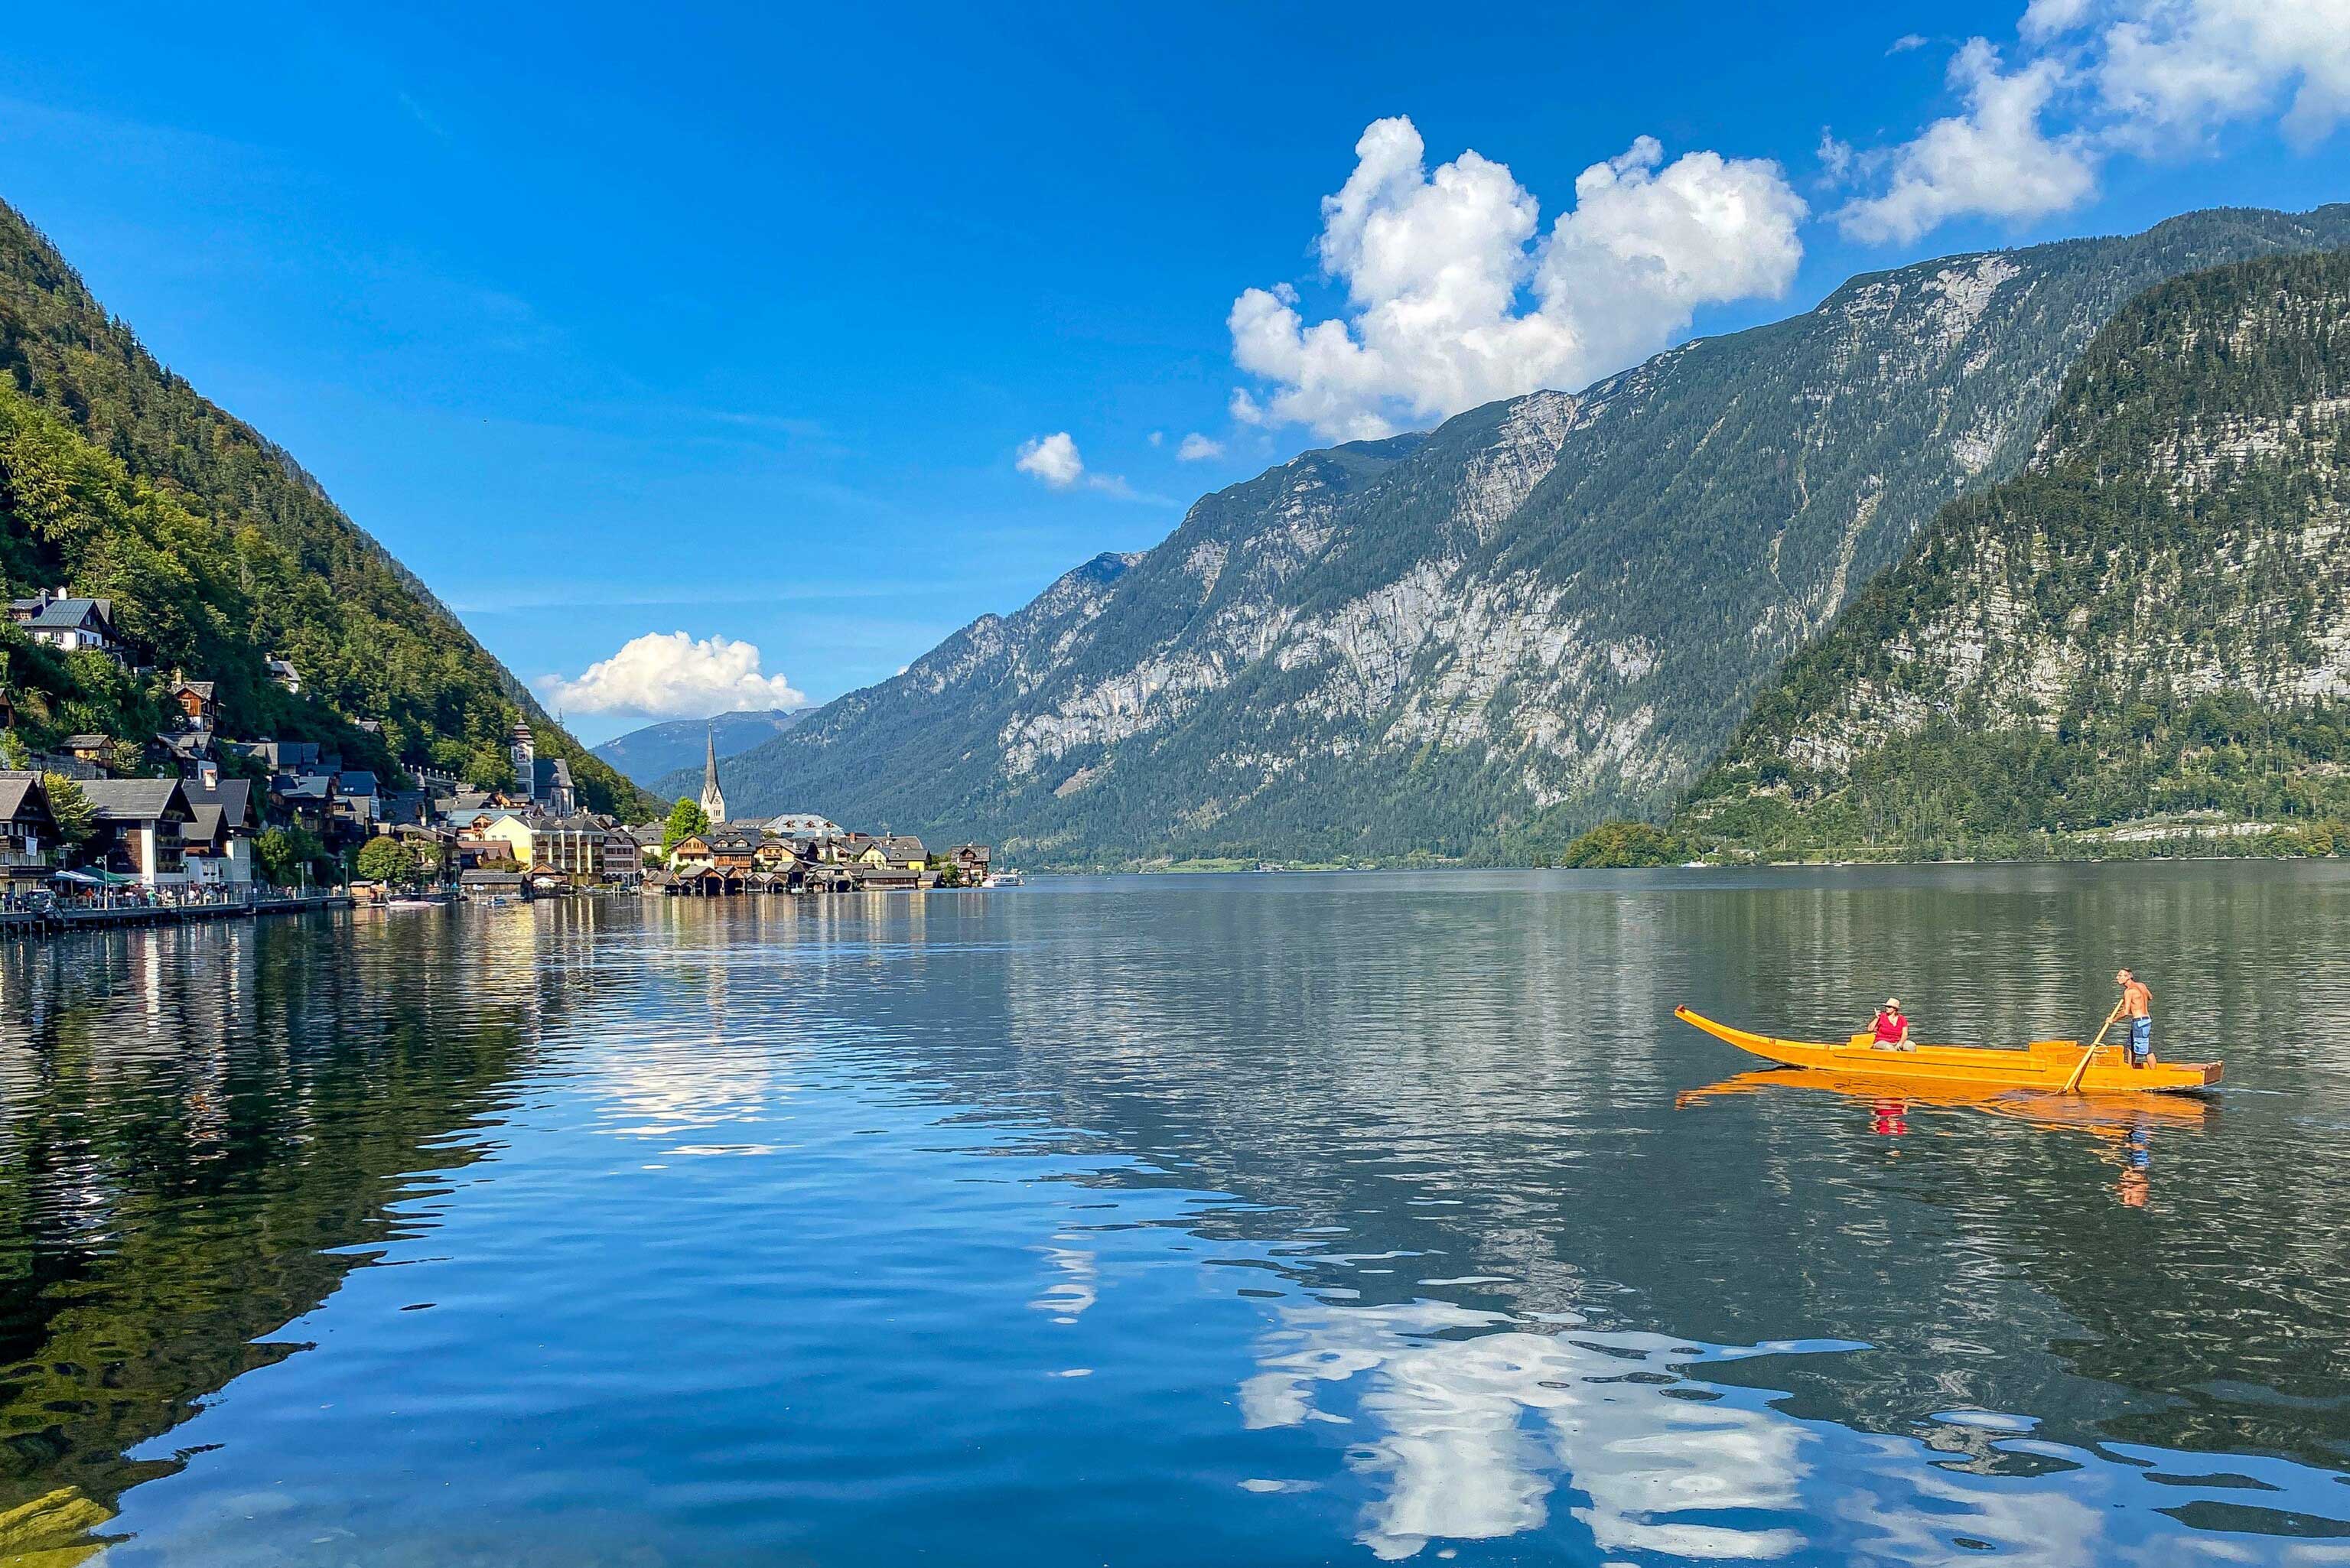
(2050, 1064)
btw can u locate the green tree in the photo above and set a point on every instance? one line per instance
(387, 860)
(289, 856)
(686, 818)
(76, 818)
(1623, 843)
(490, 767)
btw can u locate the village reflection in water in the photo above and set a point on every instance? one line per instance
(1244, 1220)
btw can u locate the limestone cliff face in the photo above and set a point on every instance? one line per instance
(2153, 617)
(1545, 610)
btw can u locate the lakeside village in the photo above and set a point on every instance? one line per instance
(186, 823)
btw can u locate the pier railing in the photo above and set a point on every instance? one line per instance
(141, 905)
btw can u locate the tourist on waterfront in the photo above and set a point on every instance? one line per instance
(1892, 1029)
(2138, 1017)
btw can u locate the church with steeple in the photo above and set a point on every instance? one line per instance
(713, 799)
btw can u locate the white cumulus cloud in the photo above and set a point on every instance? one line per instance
(673, 676)
(2151, 77)
(2171, 71)
(1995, 158)
(1053, 459)
(1437, 268)
(1197, 448)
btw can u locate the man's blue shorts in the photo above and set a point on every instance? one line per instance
(2141, 1039)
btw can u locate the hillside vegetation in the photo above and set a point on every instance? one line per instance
(182, 586)
(254, 557)
(2146, 632)
(1476, 642)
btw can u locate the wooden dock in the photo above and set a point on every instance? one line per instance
(84, 917)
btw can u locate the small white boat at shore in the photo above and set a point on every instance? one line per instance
(1007, 877)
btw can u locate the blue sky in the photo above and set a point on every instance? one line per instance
(739, 324)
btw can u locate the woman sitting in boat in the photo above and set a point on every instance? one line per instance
(1892, 1029)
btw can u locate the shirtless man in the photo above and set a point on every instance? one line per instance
(2138, 1017)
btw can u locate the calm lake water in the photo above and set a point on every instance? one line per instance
(1251, 1219)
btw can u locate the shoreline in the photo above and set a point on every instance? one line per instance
(59, 922)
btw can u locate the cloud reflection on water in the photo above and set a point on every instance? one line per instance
(1471, 1424)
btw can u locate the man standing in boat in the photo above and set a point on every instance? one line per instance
(1892, 1030)
(2138, 1017)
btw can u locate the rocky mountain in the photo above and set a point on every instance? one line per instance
(220, 548)
(1475, 641)
(2152, 620)
(678, 745)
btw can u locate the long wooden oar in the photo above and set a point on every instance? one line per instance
(2082, 1065)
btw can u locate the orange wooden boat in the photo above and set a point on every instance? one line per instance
(2043, 1065)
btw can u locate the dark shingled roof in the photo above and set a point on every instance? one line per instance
(234, 797)
(134, 800)
(21, 798)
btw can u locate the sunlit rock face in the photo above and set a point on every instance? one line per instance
(1545, 610)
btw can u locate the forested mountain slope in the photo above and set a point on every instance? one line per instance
(2152, 620)
(368, 639)
(181, 587)
(1475, 641)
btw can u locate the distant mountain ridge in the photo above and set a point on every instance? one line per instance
(677, 746)
(2153, 620)
(1475, 641)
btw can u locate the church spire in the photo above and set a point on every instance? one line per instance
(713, 799)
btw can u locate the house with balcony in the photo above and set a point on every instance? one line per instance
(58, 620)
(142, 828)
(199, 709)
(569, 847)
(624, 857)
(26, 830)
(358, 798)
(217, 846)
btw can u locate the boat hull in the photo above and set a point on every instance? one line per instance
(2043, 1065)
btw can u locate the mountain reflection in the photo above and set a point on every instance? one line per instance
(1489, 1248)
(204, 1128)
(1467, 1070)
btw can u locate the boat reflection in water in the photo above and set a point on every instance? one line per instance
(2126, 1125)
